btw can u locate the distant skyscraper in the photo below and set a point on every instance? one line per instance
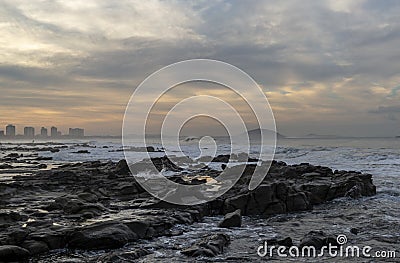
(1, 133)
(29, 132)
(53, 132)
(76, 132)
(43, 132)
(10, 130)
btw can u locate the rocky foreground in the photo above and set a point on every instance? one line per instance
(100, 206)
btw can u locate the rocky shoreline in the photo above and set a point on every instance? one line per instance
(99, 206)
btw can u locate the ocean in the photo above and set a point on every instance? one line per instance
(377, 156)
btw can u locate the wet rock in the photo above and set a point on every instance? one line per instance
(287, 242)
(164, 163)
(13, 236)
(354, 231)
(6, 166)
(8, 218)
(107, 191)
(88, 197)
(210, 246)
(354, 192)
(221, 159)
(126, 256)
(54, 239)
(103, 235)
(233, 219)
(12, 253)
(43, 158)
(12, 155)
(72, 204)
(317, 239)
(150, 149)
(295, 188)
(122, 167)
(35, 247)
(42, 166)
(82, 151)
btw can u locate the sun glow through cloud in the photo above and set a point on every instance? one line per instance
(326, 66)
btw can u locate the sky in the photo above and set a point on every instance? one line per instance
(326, 67)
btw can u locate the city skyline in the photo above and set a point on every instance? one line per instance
(30, 132)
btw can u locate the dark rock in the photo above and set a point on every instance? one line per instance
(208, 247)
(122, 167)
(88, 197)
(198, 181)
(354, 192)
(354, 231)
(121, 257)
(12, 155)
(54, 239)
(43, 158)
(233, 219)
(221, 159)
(106, 189)
(141, 228)
(15, 235)
(317, 239)
(10, 218)
(287, 242)
(6, 166)
(82, 151)
(35, 247)
(103, 235)
(42, 166)
(72, 204)
(150, 149)
(162, 163)
(13, 253)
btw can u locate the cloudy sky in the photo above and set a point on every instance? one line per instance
(327, 67)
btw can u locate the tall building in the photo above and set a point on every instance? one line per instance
(53, 132)
(43, 132)
(1, 133)
(76, 132)
(10, 130)
(29, 132)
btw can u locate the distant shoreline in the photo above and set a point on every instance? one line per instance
(21, 138)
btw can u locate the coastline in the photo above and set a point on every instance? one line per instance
(97, 206)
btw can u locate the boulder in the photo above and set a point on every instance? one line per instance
(103, 235)
(122, 167)
(233, 219)
(35, 247)
(12, 253)
(210, 246)
(125, 256)
(54, 239)
(317, 239)
(287, 242)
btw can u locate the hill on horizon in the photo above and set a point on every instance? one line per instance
(256, 133)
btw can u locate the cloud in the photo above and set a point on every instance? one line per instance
(318, 61)
(387, 109)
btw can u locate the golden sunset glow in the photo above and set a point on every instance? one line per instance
(76, 63)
